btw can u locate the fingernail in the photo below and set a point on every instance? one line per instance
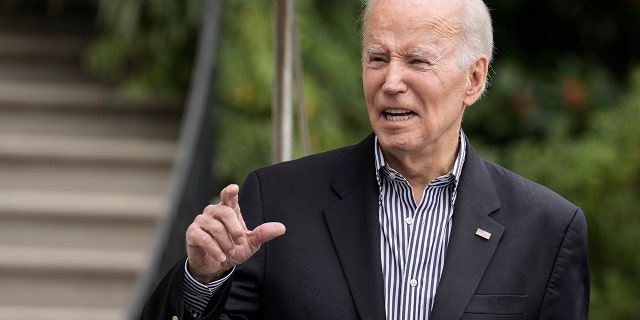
(222, 258)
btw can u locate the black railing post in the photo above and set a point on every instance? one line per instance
(191, 183)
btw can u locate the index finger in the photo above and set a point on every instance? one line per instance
(229, 196)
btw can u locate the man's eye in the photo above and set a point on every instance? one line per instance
(419, 62)
(377, 62)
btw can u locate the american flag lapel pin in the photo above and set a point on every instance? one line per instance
(483, 234)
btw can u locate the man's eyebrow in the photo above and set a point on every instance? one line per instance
(417, 53)
(374, 51)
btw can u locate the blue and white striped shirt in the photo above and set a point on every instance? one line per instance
(197, 295)
(414, 236)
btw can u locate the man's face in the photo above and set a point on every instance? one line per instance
(414, 87)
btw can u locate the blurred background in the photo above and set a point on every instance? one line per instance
(93, 93)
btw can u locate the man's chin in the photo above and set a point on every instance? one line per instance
(396, 143)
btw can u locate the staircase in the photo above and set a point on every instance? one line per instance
(84, 174)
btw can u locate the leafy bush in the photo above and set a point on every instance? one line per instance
(147, 44)
(332, 82)
(600, 171)
(526, 102)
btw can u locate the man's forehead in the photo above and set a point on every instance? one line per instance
(432, 6)
(412, 28)
(441, 16)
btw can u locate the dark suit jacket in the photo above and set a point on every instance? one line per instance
(328, 266)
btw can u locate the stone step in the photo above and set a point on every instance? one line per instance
(68, 277)
(42, 45)
(79, 205)
(23, 69)
(30, 94)
(85, 148)
(59, 313)
(91, 221)
(100, 178)
(90, 234)
(72, 261)
(105, 122)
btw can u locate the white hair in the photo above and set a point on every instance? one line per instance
(477, 32)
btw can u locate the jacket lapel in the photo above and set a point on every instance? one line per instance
(355, 230)
(468, 254)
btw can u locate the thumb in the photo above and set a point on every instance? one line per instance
(266, 232)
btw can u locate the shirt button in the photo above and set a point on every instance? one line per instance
(413, 282)
(409, 220)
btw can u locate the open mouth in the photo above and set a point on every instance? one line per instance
(398, 114)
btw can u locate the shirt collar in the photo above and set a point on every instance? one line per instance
(456, 170)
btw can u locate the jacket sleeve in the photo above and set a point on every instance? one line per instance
(567, 293)
(167, 302)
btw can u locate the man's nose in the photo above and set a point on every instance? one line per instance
(394, 78)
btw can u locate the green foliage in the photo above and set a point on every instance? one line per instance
(148, 44)
(600, 171)
(330, 48)
(527, 102)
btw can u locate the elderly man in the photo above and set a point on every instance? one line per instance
(408, 224)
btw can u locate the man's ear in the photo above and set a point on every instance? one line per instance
(477, 80)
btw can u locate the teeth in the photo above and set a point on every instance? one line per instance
(398, 114)
(398, 118)
(397, 111)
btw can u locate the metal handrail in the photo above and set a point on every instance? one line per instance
(192, 181)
